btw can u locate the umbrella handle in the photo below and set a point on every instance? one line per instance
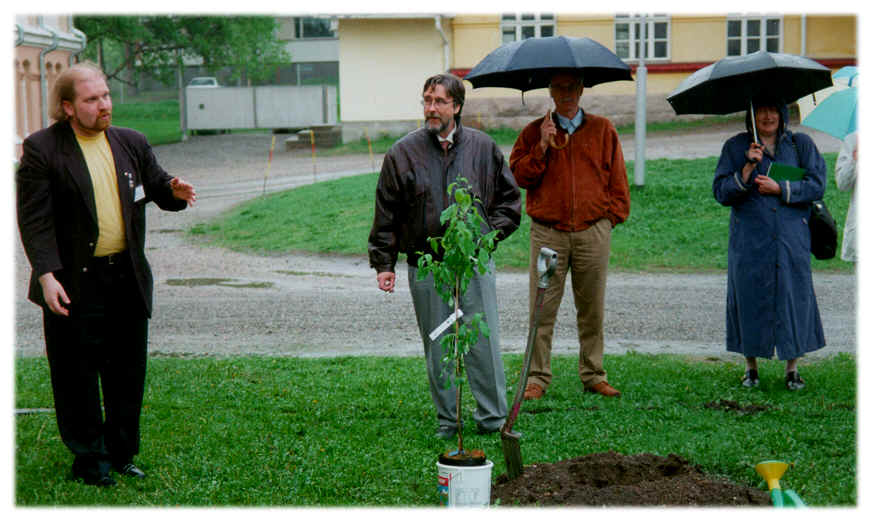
(554, 144)
(754, 122)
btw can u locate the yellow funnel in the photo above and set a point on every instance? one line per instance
(771, 471)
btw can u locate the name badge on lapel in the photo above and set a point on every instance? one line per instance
(137, 189)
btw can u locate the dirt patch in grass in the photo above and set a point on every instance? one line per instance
(613, 479)
(733, 406)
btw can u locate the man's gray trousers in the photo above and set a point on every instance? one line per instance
(484, 365)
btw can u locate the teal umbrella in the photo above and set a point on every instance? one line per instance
(836, 115)
(849, 72)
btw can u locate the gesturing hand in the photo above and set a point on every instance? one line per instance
(183, 190)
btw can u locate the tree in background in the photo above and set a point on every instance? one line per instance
(126, 46)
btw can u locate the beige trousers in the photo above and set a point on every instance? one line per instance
(585, 255)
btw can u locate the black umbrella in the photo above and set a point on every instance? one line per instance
(528, 64)
(730, 84)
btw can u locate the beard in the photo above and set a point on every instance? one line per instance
(97, 125)
(443, 125)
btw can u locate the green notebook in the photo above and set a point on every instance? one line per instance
(782, 172)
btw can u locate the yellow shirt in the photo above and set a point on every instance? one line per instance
(101, 165)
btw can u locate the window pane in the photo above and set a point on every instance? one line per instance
(660, 30)
(753, 45)
(772, 44)
(734, 47)
(546, 16)
(659, 49)
(527, 32)
(527, 16)
(622, 31)
(508, 17)
(753, 27)
(772, 27)
(298, 27)
(508, 35)
(734, 28)
(622, 49)
(546, 30)
(316, 28)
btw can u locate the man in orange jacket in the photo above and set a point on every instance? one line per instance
(572, 166)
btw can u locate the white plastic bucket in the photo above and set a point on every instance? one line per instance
(465, 485)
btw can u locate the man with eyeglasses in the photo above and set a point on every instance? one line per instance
(410, 197)
(572, 167)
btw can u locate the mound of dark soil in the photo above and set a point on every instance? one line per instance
(612, 479)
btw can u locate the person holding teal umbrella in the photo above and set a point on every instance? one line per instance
(846, 179)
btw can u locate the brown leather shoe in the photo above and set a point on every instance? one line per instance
(603, 388)
(533, 391)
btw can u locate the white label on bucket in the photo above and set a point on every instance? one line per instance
(445, 324)
(465, 486)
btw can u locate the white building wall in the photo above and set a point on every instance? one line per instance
(383, 64)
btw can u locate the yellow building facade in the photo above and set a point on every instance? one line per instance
(384, 59)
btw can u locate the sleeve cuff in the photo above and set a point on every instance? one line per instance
(785, 191)
(738, 178)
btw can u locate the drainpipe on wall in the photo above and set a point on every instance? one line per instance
(18, 41)
(82, 39)
(445, 56)
(43, 81)
(803, 33)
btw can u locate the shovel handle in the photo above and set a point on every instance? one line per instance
(545, 267)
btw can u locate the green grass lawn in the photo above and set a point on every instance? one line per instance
(359, 431)
(675, 224)
(159, 121)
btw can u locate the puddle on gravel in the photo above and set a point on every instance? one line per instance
(223, 282)
(314, 273)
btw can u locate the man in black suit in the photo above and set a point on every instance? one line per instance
(82, 187)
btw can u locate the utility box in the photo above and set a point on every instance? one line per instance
(269, 107)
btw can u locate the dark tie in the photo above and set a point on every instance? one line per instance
(445, 145)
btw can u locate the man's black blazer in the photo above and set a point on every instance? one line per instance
(57, 215)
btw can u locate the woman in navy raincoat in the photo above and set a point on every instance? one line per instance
(771, 305)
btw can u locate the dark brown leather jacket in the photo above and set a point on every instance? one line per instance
(412, 192)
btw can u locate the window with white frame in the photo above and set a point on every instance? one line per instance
(520, 26)
(311, 27)
(747, 34)
(628, 36)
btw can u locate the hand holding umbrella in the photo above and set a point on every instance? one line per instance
(547, 131)
(752, 157)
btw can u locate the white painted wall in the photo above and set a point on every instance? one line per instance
(383, 64)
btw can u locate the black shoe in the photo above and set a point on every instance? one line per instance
(484, 430)
(446, 432)
(793, 381)
(100, 480)
(93, 471)
(130, 470)
(751, 379)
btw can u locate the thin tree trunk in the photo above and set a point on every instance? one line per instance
(458, 375)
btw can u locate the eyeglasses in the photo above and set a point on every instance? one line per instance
(565, 86)
(439, 102)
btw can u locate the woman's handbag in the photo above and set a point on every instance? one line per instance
(822, 225)
(824, 234)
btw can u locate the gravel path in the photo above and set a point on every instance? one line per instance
(210, 301)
